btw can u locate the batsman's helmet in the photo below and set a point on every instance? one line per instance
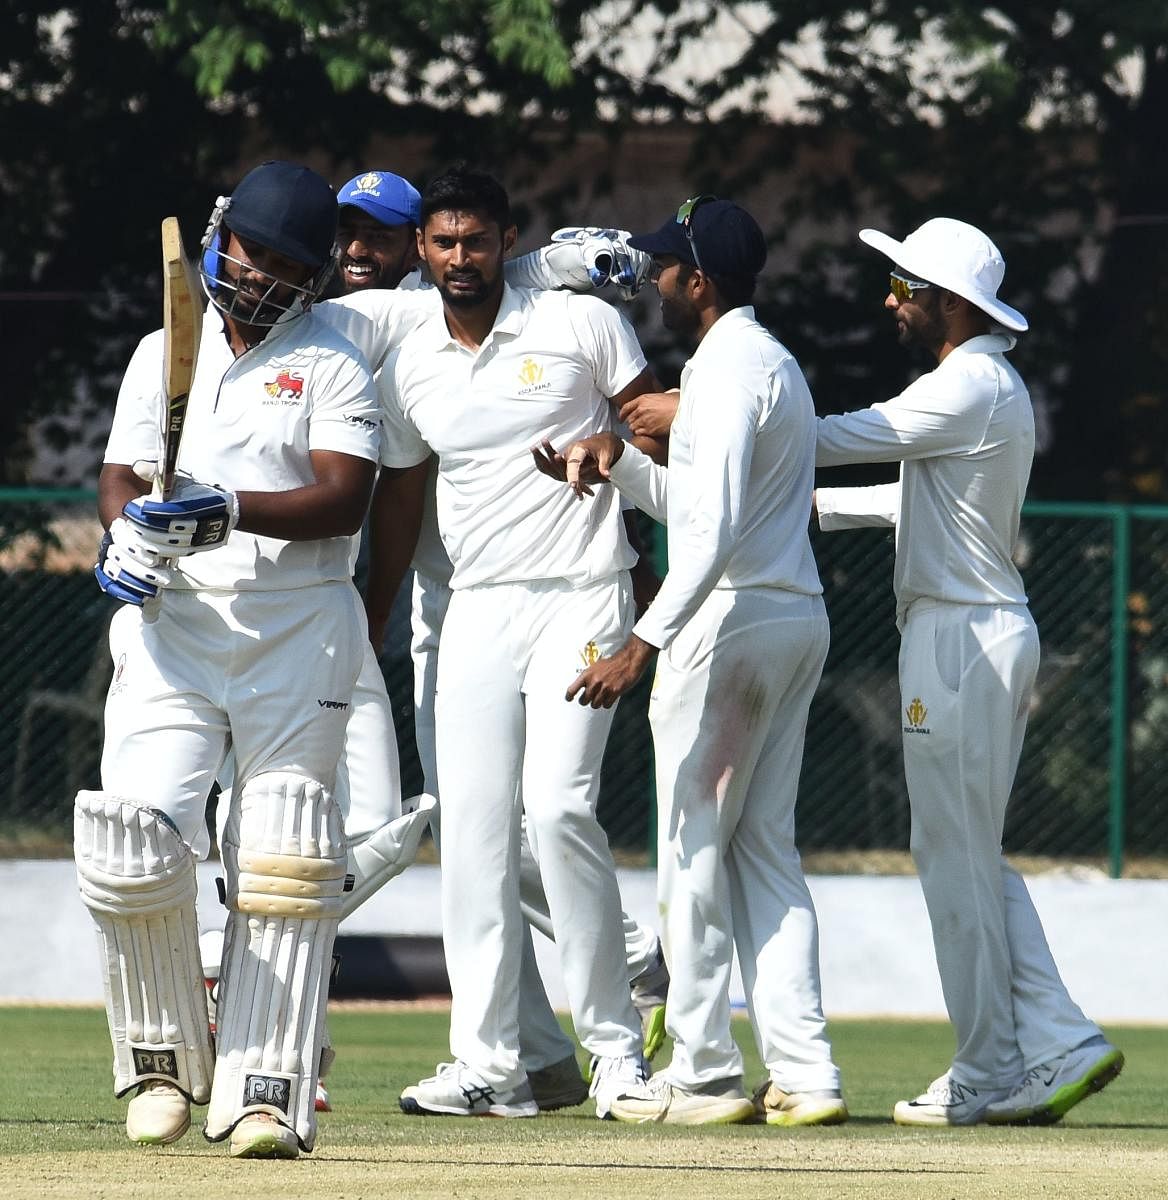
(287, 208)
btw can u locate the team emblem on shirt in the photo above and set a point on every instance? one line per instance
(916, 714)
(288, 385)
(118, 684)
(531, 378)
(590, 654)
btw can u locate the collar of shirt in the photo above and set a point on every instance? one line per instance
(985, 343)
(728, 324)
(509, 320)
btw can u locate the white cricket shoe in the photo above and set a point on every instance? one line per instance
(456, 1091)
(559, 1085)
(776, 1107)
(612, 1076)
(158, 1115)
(947, 1102)
(649, 992)
(1047, 1092)
(661, 1101)
(260, 1135)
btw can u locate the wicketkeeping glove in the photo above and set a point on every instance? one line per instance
(195, 518)
(586, 255)
(127, 569)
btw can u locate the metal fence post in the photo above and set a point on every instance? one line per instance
(1117, 758)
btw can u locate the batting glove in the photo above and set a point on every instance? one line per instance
(127, 569)
(194, 519)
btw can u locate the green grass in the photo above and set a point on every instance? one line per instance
(61, 1131)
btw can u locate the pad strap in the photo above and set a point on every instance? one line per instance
(137, 878)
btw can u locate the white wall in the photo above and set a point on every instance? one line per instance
(1110, 938)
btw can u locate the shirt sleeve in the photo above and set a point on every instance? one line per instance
(725, 419)
(641, 481)
(136, 432)
(401, 443)
(943, 412)
(857, 507)
(377, 321)
(345, 417)
(609, 342)
(531, 271)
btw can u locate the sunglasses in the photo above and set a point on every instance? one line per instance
(902, 287)
(685, 220)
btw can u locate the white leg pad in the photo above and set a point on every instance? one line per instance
(137, 878)
(285, 863)
(387, 851)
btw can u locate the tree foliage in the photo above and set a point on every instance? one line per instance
(1039, 123)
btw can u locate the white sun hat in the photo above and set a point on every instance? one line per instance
(954, 256)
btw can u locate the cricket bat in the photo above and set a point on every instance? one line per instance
(182, 322)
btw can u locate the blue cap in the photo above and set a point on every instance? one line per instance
(288, 208)
(728, 239)
(386, 197)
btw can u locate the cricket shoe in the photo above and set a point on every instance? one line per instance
(559, 1085)
(260, 1135)
(649, 992)
(776, 1107)
(158, 1115)
(456, 1091)
(661, 1101)
(1050, 1090)
(613, 1076)
(948, 1102)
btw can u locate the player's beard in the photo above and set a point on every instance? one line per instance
(480, 291)
(678, 315)
(926, 332)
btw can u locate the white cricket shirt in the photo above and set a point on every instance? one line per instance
(252, 423)
(736, 496)
(546, 370)
(964, 435)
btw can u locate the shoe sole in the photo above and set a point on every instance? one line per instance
(737, 1116)
(1095, 1080)
(910, 1116)
(153, 1140)
(835, 1114)
(266, 1145)
(654, 1032)
(412, 1108)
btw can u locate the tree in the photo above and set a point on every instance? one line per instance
(1040, 124)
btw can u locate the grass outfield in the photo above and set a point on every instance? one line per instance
(62, 1135)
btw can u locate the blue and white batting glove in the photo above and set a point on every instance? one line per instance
(194, 519)
(604, 256)
(127, 569)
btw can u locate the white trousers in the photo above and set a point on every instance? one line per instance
(729, 716)
(542, 1041)
(509, 745)
(270, 673)
(966, 676)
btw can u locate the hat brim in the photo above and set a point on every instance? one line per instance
(383, 214)
(904, 257)
(669, 239)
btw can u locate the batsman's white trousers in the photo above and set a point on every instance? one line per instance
(504, 731)
(729, 717)
(270, 672)
(966, 676)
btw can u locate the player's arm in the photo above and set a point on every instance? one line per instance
(395, 519)
(650, 415)
(856, 507)
(333, 506)
(645, 384)
(117, 485)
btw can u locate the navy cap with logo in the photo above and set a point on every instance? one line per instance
(717, 236)
(288, 208)
(386, 197)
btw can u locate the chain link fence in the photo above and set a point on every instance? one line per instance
(1088, 786)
